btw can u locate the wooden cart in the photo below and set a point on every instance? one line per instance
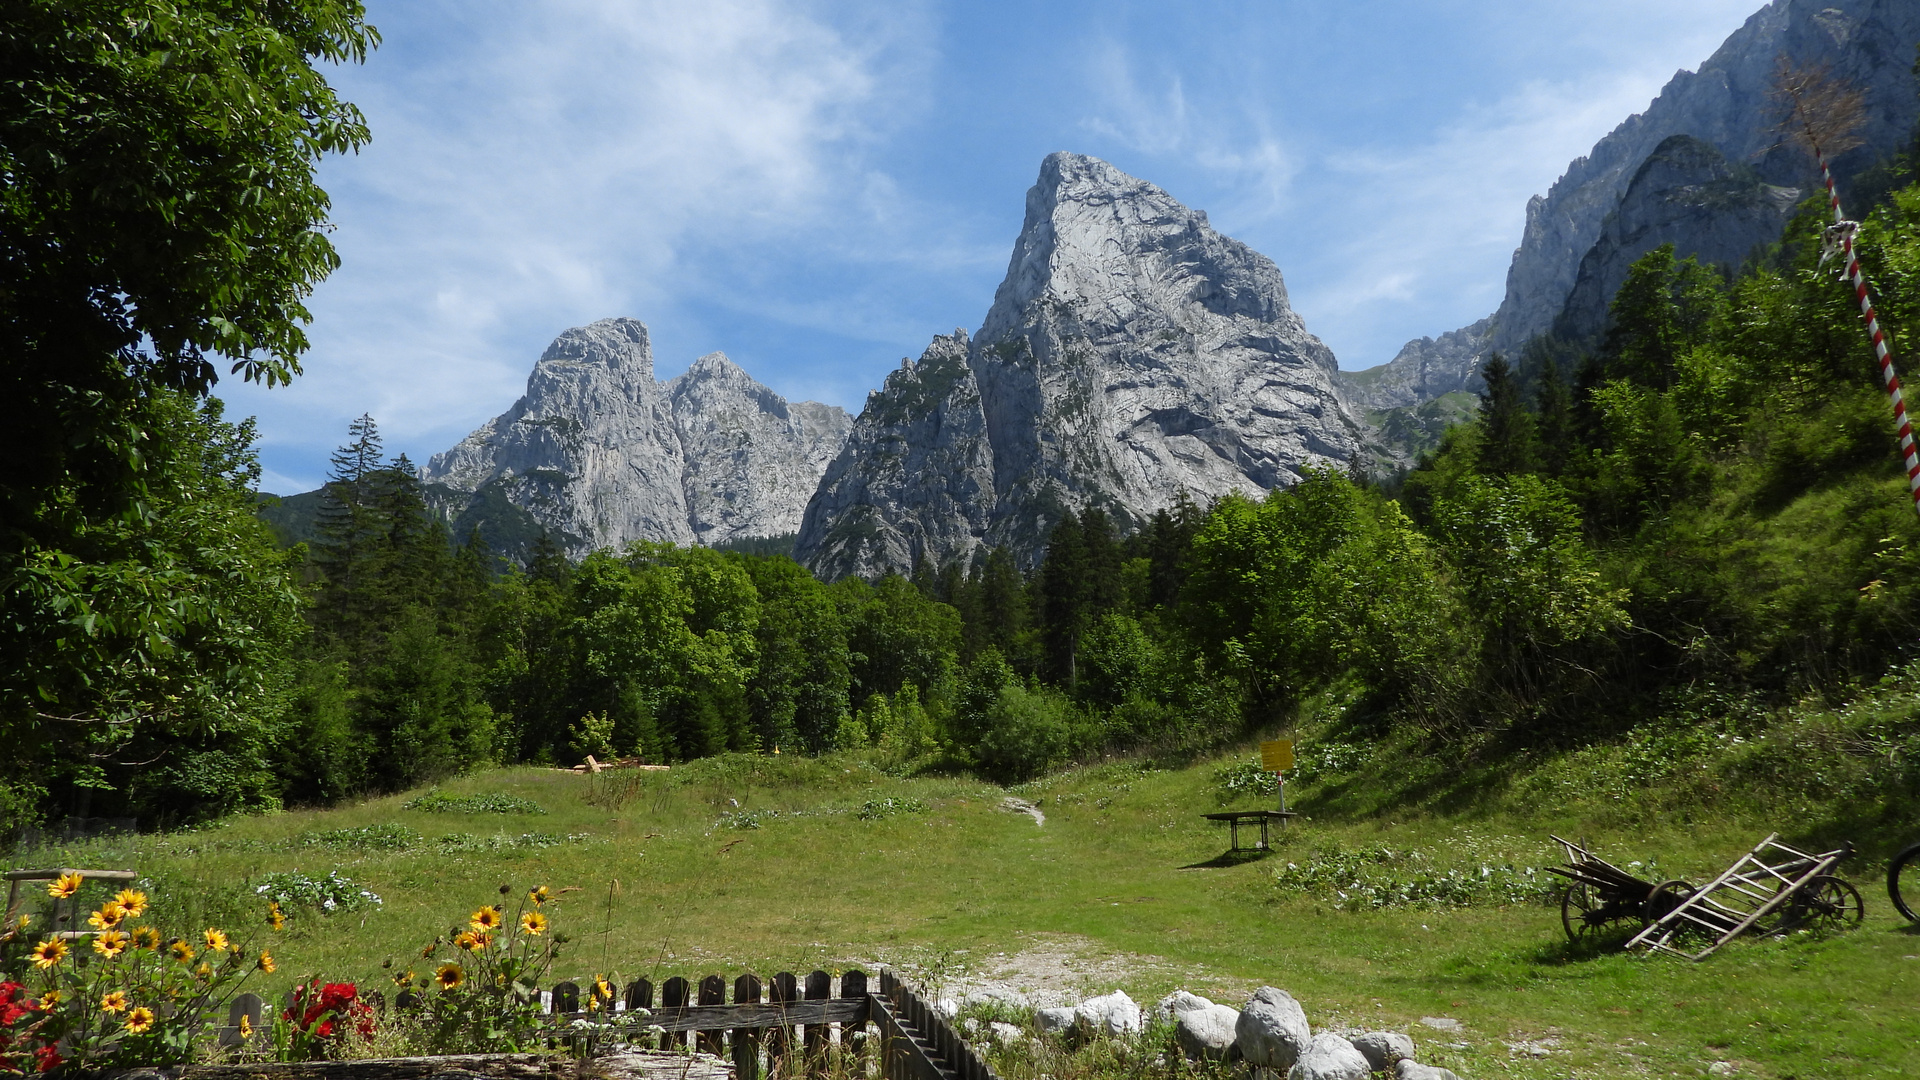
(1772, 889)
(1600, 894)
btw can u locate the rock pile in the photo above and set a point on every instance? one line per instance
(1270, 1033)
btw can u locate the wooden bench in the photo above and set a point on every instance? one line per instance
(1234, 818)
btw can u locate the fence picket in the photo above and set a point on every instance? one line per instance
(784, 991)
(746, 1041)
(713, 991)
(674, 994)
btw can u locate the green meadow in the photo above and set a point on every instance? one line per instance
(1398, 897)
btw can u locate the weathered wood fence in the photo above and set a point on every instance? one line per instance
(788, 1027)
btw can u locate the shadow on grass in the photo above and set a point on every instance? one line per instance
(1561, 951)
(1230, 858)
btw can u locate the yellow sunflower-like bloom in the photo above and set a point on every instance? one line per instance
(133, 900)
(216, 940)
(20, 926)
(539, 895)
(64, 886)
(51, 1000)
(533, 924)
(276, 918)
(113, 1001)
(48, 953)
(449, 976)
(467, 941)
(180, 951)
(205, 970)
(487, 918)
(140, 1021)
(111, 943)
(404, 979)
(266, 961)
(604, 987)
(110, 915)
(146, 938)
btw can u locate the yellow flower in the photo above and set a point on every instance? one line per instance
(65, 886)
(450, 976)
(109, 916)
(467, 940)
(246, 1026)
(25, 921)
(113, 1001)
(487, 918)
(110, 943)
(405, 978)
(146, 938)
(48, 953)
(539, 895)
(604, 987)
(216, 940)
(134, 901)
(140, 1021)
(275, 917)
(205, 970)
(180, 951)
(266, 961)
(50, 1000)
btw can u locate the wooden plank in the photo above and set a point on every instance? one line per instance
(818, 1036)
(50, 874)
(784, 993)
(853, 1033)
(566, 997)
(626, 1065)
(675, 993)
(746, 1041)
(639, 994)
(713, 991)
(903, 1056)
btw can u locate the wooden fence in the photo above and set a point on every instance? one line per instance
(788, 1027)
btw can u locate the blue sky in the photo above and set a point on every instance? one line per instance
(818, 189)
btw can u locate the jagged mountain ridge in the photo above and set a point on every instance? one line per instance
(1132, 356)
(600, 453)
(1724, 105)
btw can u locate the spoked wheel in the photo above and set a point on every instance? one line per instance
(1903, 882)
(1663, 899)
(1583, 913)
(1824, 903)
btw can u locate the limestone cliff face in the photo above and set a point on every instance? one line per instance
(600, 453)
(1132, 354)
(1725, 109)
(1725, 104)
(1686, 194)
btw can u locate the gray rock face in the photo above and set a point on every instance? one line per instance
(1052, 1021)
(1112, 1015)
(914, 475)
(1383, 1049)
(1272, 1031)
(1725, 105)
(1330, 1057)
(1207, 1033)
(601, 453)
(1407, 1069)
(1424, 369)
(1131, 354)
(1686, 194)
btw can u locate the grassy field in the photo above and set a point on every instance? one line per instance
(782, 863)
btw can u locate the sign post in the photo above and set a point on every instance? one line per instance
(1276, 757)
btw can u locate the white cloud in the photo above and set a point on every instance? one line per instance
(538, 165)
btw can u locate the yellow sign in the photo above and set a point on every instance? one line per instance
(1276, 755)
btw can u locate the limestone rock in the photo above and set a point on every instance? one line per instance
(1132, 355)
(1330, 1057)
(1424, 369)
(1272, 1031)
(1686, 194)
(1408, 1069)
(1207, 1033)
(1006, 1034)
(600, 453)
(1054, 1020)
(1179, 1001)
(1110, 1014)
(1383, 1049)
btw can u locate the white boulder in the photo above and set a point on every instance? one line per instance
(1207, 1034)
(1272, 1030)
(1330, 1057)
(1383, 1048)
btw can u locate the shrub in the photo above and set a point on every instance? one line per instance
(486, 802)
(329, 894)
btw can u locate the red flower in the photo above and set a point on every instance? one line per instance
(50, 1058)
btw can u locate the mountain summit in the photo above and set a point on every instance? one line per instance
(1132, 355)
(600, 453)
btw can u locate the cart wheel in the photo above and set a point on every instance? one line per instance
(1825, 902)
(1903, 882)
(1578, 908)
(1663, 898)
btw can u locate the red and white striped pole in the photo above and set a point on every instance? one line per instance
(1880, 351)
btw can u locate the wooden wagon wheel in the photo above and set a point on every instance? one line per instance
(1663, 898)
(1581, 912)
(1825, 902)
